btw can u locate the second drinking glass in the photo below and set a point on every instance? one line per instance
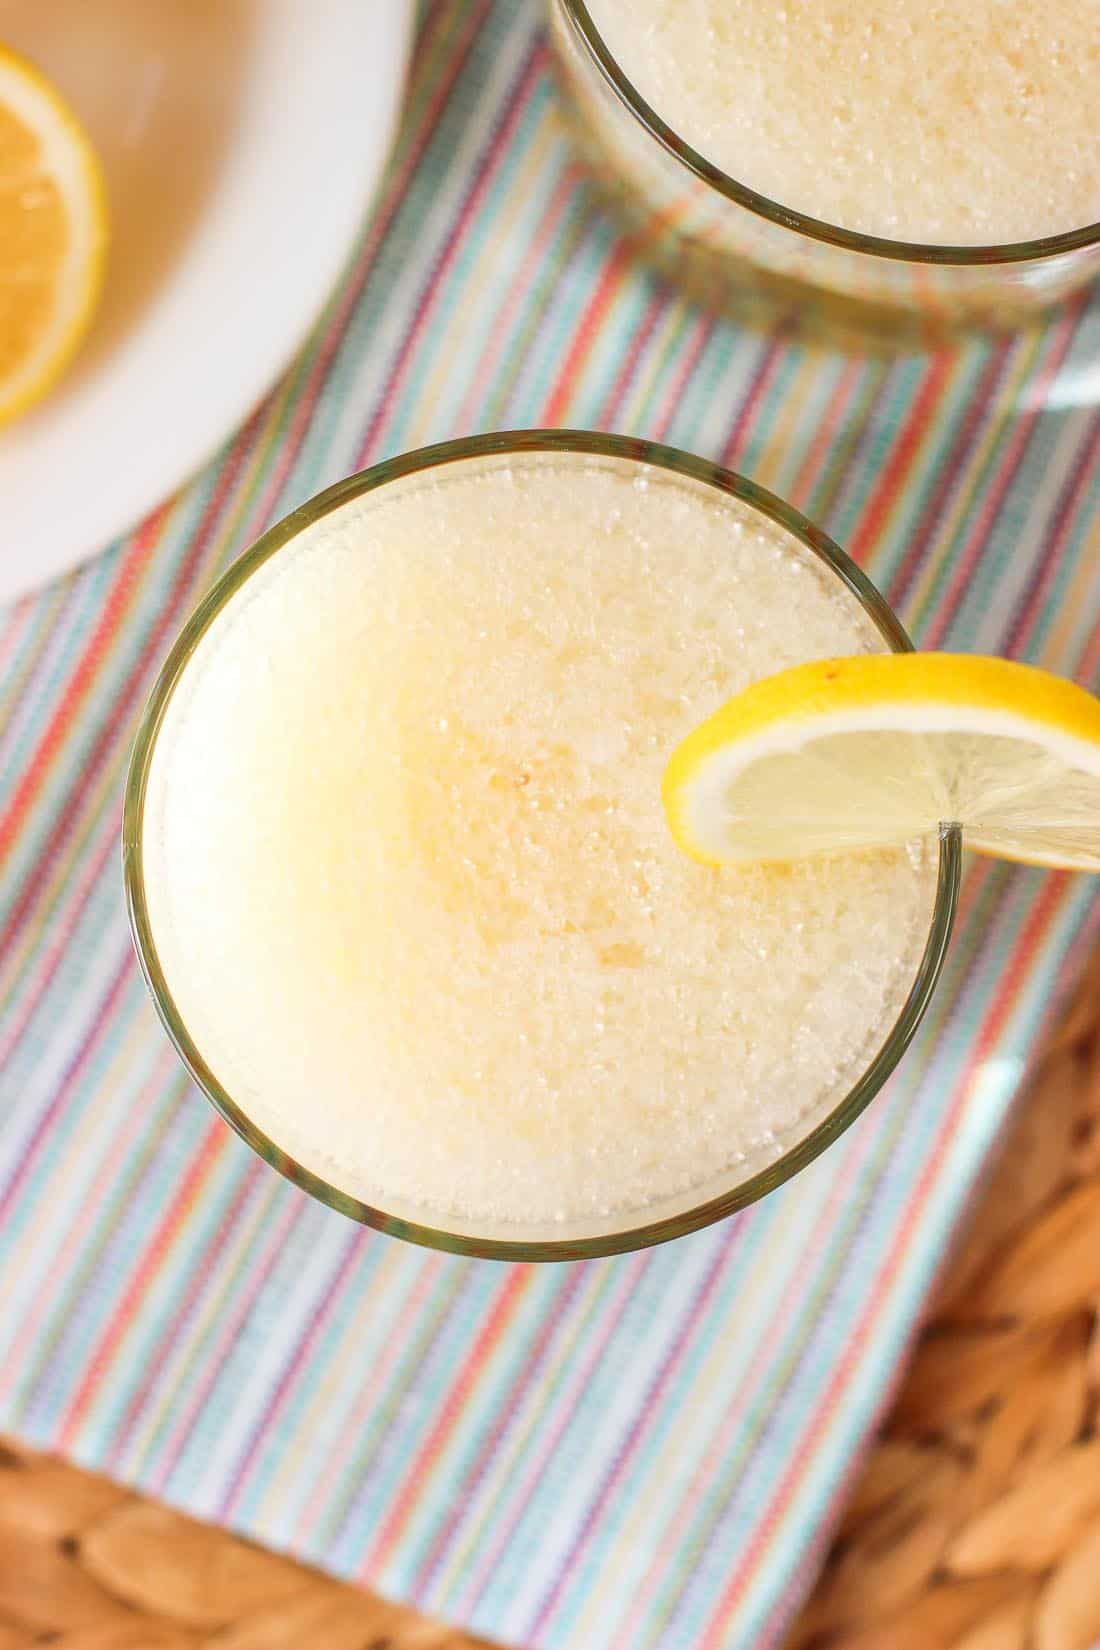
(892, 171)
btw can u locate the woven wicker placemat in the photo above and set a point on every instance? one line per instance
(975, 1524)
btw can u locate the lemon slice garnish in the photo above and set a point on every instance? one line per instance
(872, 752)
(52, 234)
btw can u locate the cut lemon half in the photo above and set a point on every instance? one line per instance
(52, 234)
(874, 751)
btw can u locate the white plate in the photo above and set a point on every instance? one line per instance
(242, 142)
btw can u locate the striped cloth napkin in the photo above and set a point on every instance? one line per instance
(643, 1453)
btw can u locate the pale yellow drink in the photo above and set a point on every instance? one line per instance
(916, 120)
(408, 874)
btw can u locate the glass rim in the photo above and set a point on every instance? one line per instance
(740, 1192)
(818, 229)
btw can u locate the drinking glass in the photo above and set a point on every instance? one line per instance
(731, 1187)
(735, 249)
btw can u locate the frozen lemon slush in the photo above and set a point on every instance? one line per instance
(408, 874)
(915, 120)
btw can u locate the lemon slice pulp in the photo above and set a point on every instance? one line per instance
(52, 234)
(871, 752)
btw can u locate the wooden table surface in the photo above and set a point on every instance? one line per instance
(974, 1525)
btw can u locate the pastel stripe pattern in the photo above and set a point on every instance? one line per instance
(644, 1453)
